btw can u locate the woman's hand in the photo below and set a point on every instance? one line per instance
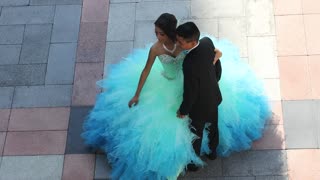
(134, 101)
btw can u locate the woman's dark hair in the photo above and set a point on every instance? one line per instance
(188, 31)
(168, 24)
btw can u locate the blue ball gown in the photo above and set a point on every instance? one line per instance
(148, 141)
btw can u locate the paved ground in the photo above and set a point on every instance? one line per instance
(53, 51)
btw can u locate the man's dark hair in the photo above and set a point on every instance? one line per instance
(188, 31)
(168, 24)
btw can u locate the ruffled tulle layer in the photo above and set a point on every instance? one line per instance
(148, 141)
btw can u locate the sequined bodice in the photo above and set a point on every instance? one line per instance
(171, 65)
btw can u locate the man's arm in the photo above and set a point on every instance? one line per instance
(190, 93)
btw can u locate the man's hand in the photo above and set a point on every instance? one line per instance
(180, 115)
(134, 101)
(215, 60)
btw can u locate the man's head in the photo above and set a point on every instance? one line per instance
(188, 35)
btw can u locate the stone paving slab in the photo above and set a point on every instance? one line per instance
(35, 143)
(143, 34)
(116, 51)
(11, 34)
(256, 163)
(102, 170)
(271, 178)
(75, 144)
(19, 75)
(263, 57)
(234, 30)
(2, 140)
(121, 23)
(6, 96)
(56, 2)
(37, 33)
(85, 89)
(300, 124)
(31, 167)
(260, 19)
(33, 119)
(61, 63)
(42, 96)
(27, 15)
(152, 10)
(212, 169)
(92, 42)
(66, 23)
(4, 119)
(230, 8)
(317, 121)
(95, 11)
(79, 166)
(9, 54)
(34, 53)
(14, 2)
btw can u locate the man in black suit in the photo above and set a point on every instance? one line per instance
(201, 96)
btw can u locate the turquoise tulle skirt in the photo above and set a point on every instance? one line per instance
(148, 141)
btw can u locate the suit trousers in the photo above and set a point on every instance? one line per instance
(197, 128)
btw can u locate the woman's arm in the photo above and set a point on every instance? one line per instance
(217, 56)
(144, 75)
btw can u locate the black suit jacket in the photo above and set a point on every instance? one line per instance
(201, 94)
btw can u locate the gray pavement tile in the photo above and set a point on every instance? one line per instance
(115, 51)
(212, 169)
(152, 10)
(40, 33)
(61, 63)
(102, 170)
(75, 144)
(34, 53)
(255, 163)
(56, 2)
(66, 23)
(144, 34)
(222, 178)
(42, 96)
(208, 26)
(9, 54)
(19, 75)
(27, 15)
(317, 120)
(121, 25)
(14, 2)
(123, 1)
(6, 95)
(11, 34)
(269, 162)
(299, 124)
(272, 178)
(31, 167)
(205, 9)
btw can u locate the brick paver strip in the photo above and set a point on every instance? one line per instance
(4, 119)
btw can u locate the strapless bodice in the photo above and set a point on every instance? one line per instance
(171, 65)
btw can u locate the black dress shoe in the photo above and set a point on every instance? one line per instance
(211, 156)
(192, 167)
